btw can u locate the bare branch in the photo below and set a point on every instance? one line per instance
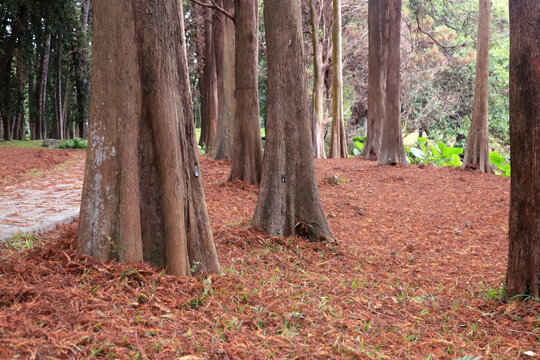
(214, 6)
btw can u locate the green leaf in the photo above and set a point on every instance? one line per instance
(443, 149)
(418, 153)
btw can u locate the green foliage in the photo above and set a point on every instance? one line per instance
(501, 165)
(438, 154)
(356, 146)
(75, 143)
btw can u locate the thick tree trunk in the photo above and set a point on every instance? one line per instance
(226, 85)
(523, 275)
(392, 150)
(289, 202)
(338, 143)
(247, 155)
(209, 121)
(143, 196)
(318, 124)
(376, 94)
(477, 148)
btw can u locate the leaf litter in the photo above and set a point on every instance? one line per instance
(416, 272)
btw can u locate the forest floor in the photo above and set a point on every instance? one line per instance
(416, 272)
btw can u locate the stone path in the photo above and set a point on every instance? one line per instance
(39, 204)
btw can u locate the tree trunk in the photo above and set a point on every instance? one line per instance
(338, 143)
(247, 155)
(226, 85)
(209, 122)
(41, 125)
(376, 100)
(143, 196)
(289, 202)
(318, 124)
(523, 274)
(477, 148)
(81, 68)
(392, 151)
(58, 128)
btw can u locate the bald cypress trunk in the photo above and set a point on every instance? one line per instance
(143, 196)
(289, 202)
(477, 148)
(375, 81)
(392, 151)
(226, 86)
(523, 274)
(247, 152)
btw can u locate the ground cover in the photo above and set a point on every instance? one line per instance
(415, 272)
(18, 163)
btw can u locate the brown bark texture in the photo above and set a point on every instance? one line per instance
(226, 85)
(247, 153)
(338, 142)
(210, 109)
(289, 201)
(376, 93)
(142, 196)
(392, 151)
(523, 274)
(477, 146)
(318, 124)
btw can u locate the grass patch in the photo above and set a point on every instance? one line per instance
(27, 144)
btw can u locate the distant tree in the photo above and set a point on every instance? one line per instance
(392, 150)
(225, 68)
(289, 201)
(523, 274)
(338, 143)
(143, 196)
(477, 148)
(318, 122)
(247, 153)
(209, 94)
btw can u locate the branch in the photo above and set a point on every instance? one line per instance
(214, 6)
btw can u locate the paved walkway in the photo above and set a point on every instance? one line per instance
(38, 204)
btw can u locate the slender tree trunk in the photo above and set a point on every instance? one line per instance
(226, 85)
(289, 201)
(523, 274)
(392, 150)
(375, 82)
(247, 155)
(143, 196)
(318, 124)
(477, 148)
(338, 143)
(81, 68)
(42, 88)
(58, 128)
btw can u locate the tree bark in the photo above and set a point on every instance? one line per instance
(247, 155)
(289, 202)
(477, 146)
(226, 85)
(81, 68)
(523, 274)
(209, 121)
(376, 94)
(392, 151)
(143, 197)
(338, 143)
(318, 124)
(41, 126)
